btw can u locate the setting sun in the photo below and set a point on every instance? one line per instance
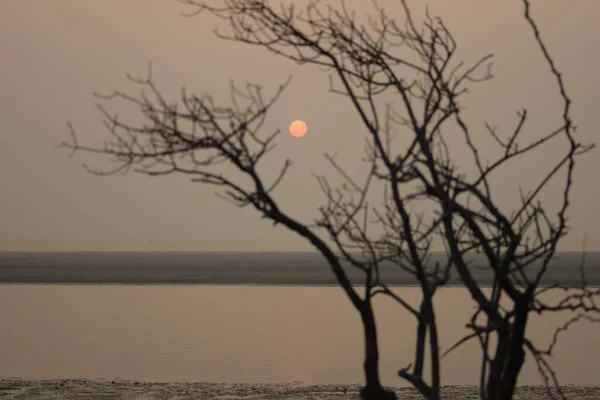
(298, 128)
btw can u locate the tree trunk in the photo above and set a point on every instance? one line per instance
(497, 365)
(516, 357)
(435, 353)
(510, 356)
(372, 389)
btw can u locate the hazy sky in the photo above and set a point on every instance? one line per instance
(53, 54)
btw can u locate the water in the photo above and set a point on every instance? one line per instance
(237, 333)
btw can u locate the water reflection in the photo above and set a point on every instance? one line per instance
(240, 334)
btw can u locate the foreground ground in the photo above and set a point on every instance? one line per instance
(71, 389)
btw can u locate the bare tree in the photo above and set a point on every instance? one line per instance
(194, 135)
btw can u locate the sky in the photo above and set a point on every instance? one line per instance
(54, 54)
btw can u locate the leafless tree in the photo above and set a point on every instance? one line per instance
(414, 62)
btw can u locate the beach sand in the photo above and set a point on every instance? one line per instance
(71, 389)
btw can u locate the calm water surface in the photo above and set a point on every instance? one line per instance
(238, 334)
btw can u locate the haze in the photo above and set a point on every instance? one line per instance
(53, 54)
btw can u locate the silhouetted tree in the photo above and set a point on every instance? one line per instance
(416, 63)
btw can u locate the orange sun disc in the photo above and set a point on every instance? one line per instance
(298, 128)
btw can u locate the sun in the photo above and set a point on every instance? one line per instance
(298, 128)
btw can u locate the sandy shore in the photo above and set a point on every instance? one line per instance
(71, 389)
